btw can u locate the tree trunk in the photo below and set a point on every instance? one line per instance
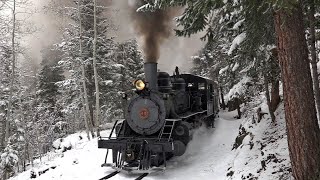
(84, 86)
(271, 111)
(314, 56)
(87, 108)
(25, 156)
(96, 82)
(2, 126)
(275, 72)
(85, 117)
(7, 133)
(275, 97)
(223, 104)
(302, 126)
(5, 175)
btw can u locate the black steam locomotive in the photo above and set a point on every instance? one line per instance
(160, 120)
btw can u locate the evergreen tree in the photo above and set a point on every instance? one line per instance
(127, 67)
(27, 111)
(8, 161)
(49, 113)
(50, 74)
(302, 125)
(70, 47)
(15, 140)
(4, 90)
(312, 44)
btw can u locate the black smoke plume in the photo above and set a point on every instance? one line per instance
(153, 28)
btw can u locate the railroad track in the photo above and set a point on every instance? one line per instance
(110, 175)
(116, 172)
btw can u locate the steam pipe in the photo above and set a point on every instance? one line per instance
(150, 71)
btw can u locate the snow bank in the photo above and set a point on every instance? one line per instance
(82, 162)
(263, 153)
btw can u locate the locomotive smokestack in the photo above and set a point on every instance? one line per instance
(150, 71)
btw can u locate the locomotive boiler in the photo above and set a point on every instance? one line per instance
(159, 120)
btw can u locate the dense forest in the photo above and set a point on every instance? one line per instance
(250, 48)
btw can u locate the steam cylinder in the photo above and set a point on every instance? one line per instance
(150, 70)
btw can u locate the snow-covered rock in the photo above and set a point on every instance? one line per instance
(67, 143)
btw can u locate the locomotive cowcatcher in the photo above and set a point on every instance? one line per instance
(159, 120)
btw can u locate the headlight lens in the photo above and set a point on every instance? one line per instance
(140, 85)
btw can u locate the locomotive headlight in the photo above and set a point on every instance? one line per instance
(140, 85)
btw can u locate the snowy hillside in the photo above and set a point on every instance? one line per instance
(209, 154)
(263, 153)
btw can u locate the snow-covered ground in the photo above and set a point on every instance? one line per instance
(209, 155)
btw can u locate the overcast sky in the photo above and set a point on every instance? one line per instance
(175, 51)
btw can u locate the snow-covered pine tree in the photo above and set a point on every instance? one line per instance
(27, 111)
(312, 48)
(235, 36)
(127, 67)
(10, 51)
(70, 47)
(15, 140)
(50, 74)
(293, 58)
(95, 73)
(222, 58)
(49, 116)
(223, 22)
(4, 90)
(295, 68)
(8, 162)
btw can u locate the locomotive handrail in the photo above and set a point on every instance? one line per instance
(173, 119)
(131, 138)
(114, 126)
(190, 115)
